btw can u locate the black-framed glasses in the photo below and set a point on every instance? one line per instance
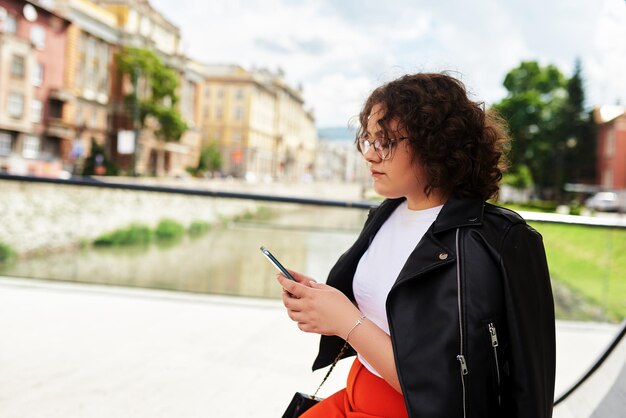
(382, 146)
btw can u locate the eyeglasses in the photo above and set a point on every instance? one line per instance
(382, 146)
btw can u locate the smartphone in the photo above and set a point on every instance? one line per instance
(276, 263)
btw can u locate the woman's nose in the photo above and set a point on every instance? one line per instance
(370, 155)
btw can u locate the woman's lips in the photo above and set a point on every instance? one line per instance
(376, 174)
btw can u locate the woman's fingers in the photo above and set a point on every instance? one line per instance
(301, 278)
(295, 289)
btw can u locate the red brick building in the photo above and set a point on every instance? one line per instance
(611, 151)
(33, 140)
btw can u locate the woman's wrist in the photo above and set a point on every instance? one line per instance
(354, 326)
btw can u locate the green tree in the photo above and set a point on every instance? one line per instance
(577, 135)
(210, 159)
(535, 98)
(553, 135)
(158, 98)
(97, 162)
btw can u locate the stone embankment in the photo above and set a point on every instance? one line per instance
(41, 217)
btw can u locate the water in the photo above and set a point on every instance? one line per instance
(225, 261)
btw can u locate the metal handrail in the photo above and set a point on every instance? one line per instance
(605, 222)
(91, 182)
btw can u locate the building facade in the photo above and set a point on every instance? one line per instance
(259, 123)
(34, 139)
(91, 43)
(141, 26)
(60, 92)
(611, 151)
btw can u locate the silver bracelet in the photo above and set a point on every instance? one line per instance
(356, 324)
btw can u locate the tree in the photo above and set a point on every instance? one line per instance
(98, 163)
(553, 137)
(159, 98)
(535, 97)
(210, 159)
(577, 134)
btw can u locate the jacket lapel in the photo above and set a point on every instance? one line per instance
(431, 252)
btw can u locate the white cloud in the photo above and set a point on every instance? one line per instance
(339, 51)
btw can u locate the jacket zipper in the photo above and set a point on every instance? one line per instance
(494, 344)
(461, 357)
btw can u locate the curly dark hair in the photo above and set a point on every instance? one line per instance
(461, 146)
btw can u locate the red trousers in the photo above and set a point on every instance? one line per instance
(365, 396)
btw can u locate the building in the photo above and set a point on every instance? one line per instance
(259, 122)
(190, 144)
(611, 151)
(297, 135)
(91, 43)
(62, 93)
(338, 158)
(34, 138)
(141, 26)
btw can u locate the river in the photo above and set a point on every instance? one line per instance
(225, 261)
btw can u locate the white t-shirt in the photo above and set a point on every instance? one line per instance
(381, 264)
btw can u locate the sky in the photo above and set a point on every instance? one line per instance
(339, 50)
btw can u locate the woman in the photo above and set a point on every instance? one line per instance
(445, 298)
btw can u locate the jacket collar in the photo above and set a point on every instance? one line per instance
(456, 212)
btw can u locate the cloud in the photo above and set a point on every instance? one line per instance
(340, 50)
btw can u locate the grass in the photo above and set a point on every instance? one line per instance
(590, 261)
(169, 229)
(262, 213)
(132, 235)
(198, 228)
(6, 253)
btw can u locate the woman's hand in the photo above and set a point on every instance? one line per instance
(317, 307)
(325, 310)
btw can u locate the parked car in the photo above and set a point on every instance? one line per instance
(604, 202)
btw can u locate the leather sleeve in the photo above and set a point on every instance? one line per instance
(530, 317)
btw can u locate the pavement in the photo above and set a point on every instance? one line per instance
(73, 350)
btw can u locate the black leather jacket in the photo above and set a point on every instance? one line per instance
(471, 314)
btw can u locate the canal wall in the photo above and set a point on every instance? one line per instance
(42, 217)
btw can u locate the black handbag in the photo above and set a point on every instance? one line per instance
(301, 402)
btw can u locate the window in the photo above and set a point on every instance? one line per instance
(18, 66)
(15, 106)
(10, 24)
(55, 108)
(207, 92)
(93, 117)
(36, 110)
(79, 114)
(238, 113)
(38, 36)
(103, 75)
(219, 113)
(609, 150)
(31, 147)
(607, 178)
(237, 137)
(38, 75)
(5, 143)
(220, 93)
(239, 95)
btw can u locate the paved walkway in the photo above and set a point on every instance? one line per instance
(69, 350)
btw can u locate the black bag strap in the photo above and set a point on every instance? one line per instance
(341, 353)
